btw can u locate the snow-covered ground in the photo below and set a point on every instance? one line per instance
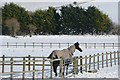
(38, 51)
(110, 72)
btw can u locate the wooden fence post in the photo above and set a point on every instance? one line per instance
(111, 58)
(75, 65)
(61, 67)
(51, 68)
(102, 60)
(3, 59)
(98, 61)
(94, 61)
(43, 68)
(23, 75)
(113, 45)
(95, 45)
(106, 59)
(33, 44)
(85, 63)
(118, 56)
(114, 57)
(11, 69)
(33, 68)
(25, 45)
(29, 62)
(16, 44)
(7, 44)
(42, 45)
(89, 62)
(104, 45)
(59, 45)
(81, 63)
(86, 45)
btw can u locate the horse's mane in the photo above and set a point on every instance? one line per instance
(71, 49)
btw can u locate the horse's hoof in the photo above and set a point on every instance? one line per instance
(55, 74)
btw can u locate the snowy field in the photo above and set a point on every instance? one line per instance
(38, 51)
(111, 72)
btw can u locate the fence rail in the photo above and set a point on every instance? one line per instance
(29, 62)
(98, 61)
(80, 64)
(59, 45)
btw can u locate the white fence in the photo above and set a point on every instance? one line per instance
(59, 45)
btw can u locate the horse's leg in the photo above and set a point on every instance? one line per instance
(67, 69)
(63, 69)
(55, 65)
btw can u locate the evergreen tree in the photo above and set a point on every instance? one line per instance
(45, 21)
(71, 20)
(97, 21)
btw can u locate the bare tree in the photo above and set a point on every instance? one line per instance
(32, 29)
(13, 26)
(115, 29)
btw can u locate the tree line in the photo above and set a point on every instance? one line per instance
(68, 20)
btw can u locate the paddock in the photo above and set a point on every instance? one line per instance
(34, 49)
(30, 63)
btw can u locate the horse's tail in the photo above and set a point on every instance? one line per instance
(52, 55)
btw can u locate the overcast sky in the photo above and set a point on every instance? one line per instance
(109, 7)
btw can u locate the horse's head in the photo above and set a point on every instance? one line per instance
(77, 46)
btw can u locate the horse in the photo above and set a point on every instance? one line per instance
(65, 53)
